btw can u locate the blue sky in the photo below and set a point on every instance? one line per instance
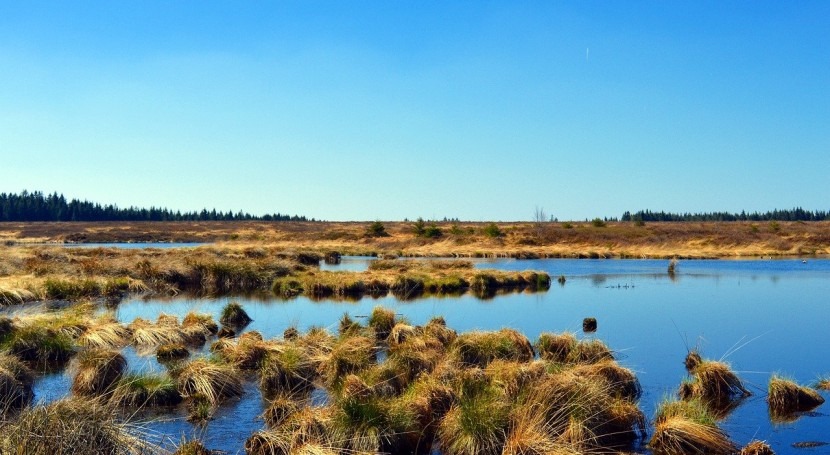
(384, 110)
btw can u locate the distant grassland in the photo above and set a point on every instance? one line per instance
(465, 239)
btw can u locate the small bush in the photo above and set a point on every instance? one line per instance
(492, 230)
(376, 229)
(598, 223)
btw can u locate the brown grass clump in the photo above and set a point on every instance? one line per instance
(192, 447)
(556, 347)
(787, 398)
(16, 381)
(620, 381)
(757, 448)
(349, 355)
(98, 370)
(146, 390)
(693, 359)
(107, 334)
(480, 348)
(201, 320)
(71, 426)
(714, 382)
(212, 380)
(382, 320)
(279, 410)
(234, 315)
(248, 353)
(169, 352)
(304, 430)
(147, 334)
(287, 371)
(400, 333)
(687, 427)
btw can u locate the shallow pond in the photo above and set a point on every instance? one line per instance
(762, 316)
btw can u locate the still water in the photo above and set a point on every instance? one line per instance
(761, 316)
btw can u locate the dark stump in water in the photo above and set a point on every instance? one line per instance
(589, 325)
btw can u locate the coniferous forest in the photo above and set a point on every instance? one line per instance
(35, 206)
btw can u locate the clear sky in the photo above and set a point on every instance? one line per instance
(363, 110)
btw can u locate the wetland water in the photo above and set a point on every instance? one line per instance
(761, 316)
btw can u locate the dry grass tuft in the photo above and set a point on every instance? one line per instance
(98, 370)
(481, 348)
(688, 427)
(72, 426)
(147, 334)
(16, 382)
(146, 390)
(757, 448)
(108, 334)
(170, 352)
(787, 398)
(714, 382)
(234, 315)
(212, 380)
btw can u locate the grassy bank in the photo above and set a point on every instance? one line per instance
(56, 273)
(569, 239)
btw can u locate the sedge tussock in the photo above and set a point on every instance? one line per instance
(480, 348)
(72, 426)
(97, 371)
(212, 380)
(16, 382)
(713, 382)
(677, 435)
(147, 334)
(688, 427)
(787, 398)
(146, 390)
(757, 448)
(107, 334)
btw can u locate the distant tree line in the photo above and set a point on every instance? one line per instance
(796, 214)
(35, 206)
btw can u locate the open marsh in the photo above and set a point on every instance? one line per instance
(762, 316)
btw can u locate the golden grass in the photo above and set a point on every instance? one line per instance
(212, 380)
(786, 398)
(713, 382)
(678, 435)
(16, 382)
(521, 239)
(757, 448)
(97, 371)
(72, 426)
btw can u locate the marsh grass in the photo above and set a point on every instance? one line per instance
(713, 382)
(209, 379)
(16, 384)
(757, 448)
(234, 315)
(40, 346)
(72, 426)
(786, 397)
(97, 371)
(171, 352)
(481, 348)
(192, 447)
(688, 427)
(146, 390)
(105, 333)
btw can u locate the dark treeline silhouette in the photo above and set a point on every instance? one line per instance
(35, 206)
(796, 214)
